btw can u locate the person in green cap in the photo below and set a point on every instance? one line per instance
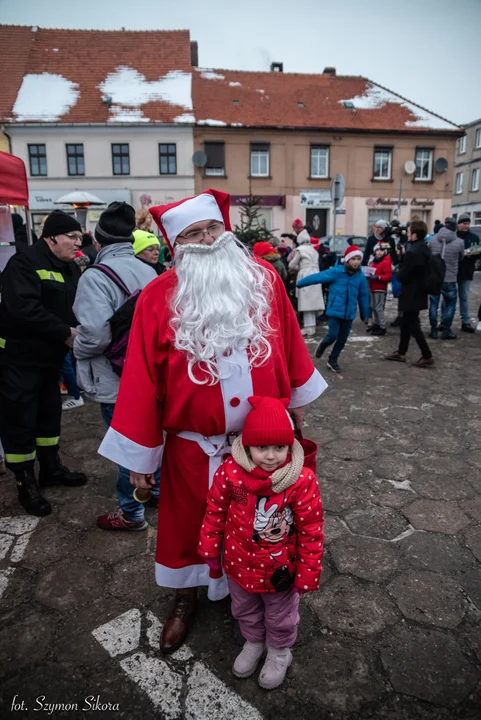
(147, 248)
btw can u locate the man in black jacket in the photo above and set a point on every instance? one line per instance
(466, 270)
(414, 296)
(37, 326)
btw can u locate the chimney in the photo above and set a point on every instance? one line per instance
(329, 71)
(277, 67)
(194, 53)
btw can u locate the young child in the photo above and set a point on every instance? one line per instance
(381, 262)
(265, 508)
(348, 287)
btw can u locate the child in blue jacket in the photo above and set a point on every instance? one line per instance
(348, 287)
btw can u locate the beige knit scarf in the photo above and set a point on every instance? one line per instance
(282, 478)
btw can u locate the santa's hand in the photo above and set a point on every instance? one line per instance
(298, 416)
(139, 480)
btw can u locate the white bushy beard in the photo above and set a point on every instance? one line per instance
(222, 303)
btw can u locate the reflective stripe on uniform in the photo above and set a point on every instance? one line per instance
(16, 458)
(47, 442)
(50, 275)
(2, 342)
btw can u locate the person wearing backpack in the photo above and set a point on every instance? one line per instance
(105, 289)
(451, 248)
(413, 265)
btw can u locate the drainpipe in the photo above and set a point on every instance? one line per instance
(8, 138)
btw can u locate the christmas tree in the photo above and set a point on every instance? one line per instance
(252, 228)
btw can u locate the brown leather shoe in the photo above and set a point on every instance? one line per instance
(423, 362)
(176, 626)
(397, 357)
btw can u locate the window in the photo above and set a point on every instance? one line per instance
(38, 159)
(382, 164)
(477, 142)
(477, 218)
(462, 145)
(120, 159)
(260, 159)
(75, 160)
(168, 159)
(459, 183)
(424, 165)
(319, 162)
(215, 158)
(475, 180)
(264, 216)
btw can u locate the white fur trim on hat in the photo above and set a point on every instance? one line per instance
(353, 254)
(196, 209)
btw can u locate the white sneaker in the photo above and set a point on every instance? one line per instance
(478, 326)
(275, 667)
(248, 659)
(310, 331)
(73, 403)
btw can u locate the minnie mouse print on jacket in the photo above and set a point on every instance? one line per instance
(272, 540)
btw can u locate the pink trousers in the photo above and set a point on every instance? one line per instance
(272, 618)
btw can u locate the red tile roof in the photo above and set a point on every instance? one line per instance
(86, 58)
(274, 99)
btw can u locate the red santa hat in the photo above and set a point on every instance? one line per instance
(351, 252)
(172, 219)
(268, 423)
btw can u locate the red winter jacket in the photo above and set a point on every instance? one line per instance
(271, 541)
(383, 272)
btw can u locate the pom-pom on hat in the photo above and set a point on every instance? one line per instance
(263, 248)
(268, 423)
(172, 219)
(351, 252)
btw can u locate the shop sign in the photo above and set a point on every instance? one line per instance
(316, 198)
(393, 202)
(264, 200)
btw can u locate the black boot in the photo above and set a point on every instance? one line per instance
(52, 472)
(29, 495)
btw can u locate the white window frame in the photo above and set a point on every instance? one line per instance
(430, 153)
(477, 142)
(214, 171)
(256, 157)
(475, 180)
(379, 151)
(313, 161)
(459, 183)
(462, 145)
(477, 218)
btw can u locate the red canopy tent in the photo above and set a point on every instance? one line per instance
(13, 180)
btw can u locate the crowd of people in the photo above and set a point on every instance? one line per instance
(192, 346)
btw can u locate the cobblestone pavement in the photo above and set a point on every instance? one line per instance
(394, 632)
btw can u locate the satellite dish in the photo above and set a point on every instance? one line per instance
(441, 165)
(409, 167)
(199, 158)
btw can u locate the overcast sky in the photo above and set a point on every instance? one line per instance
(426, 50)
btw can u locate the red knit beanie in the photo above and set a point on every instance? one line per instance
(268, 423)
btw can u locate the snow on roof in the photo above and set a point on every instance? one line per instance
(219, 123)
(261, 91)
(184, 118)
(234, 84)
(128, 88)
(121, 114)
(211, 75)
(45, 97)
(376, 97)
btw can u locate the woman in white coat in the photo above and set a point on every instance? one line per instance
(309, 299)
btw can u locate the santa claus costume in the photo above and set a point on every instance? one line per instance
(209, 333)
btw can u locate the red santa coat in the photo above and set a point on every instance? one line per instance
(157, 398)
(272, 541)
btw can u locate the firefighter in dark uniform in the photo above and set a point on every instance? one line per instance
(37, 326)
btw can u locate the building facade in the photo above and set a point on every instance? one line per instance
(467, 175)
(141, 165)
(284, 137)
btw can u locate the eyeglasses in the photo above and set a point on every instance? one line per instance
(72, 236)
(214, 229)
